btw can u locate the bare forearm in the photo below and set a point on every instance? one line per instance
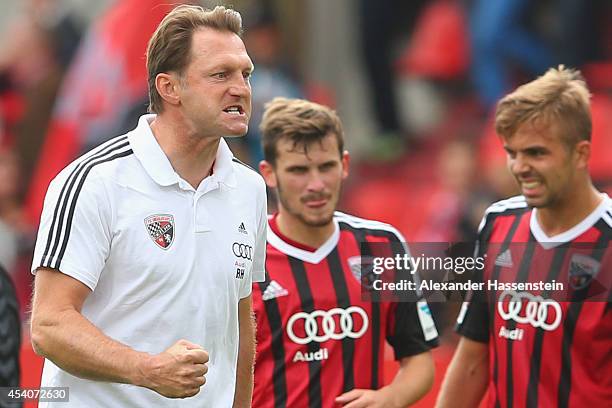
(62, 334)
(244, 378)
(246, 358)
(466, 379)
(413, 380)
(74, 344)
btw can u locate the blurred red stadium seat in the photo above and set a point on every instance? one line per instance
(439, 48)
(601, 153)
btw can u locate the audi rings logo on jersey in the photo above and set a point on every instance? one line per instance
(242, 250)
(323, 325)
(523, 307)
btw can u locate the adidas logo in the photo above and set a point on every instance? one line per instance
(504, 259)
(242, 229)
(274, 290)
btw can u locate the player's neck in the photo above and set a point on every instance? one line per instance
(297, 231)
(568, 213)
(191, 157)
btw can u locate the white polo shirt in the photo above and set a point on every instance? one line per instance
(164, 261)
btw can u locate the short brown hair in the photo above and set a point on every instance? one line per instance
(560, 94)
(301, 121)
(169, 47)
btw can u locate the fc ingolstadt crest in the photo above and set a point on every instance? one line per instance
(362, 270)
(582, 270)
(161, 229)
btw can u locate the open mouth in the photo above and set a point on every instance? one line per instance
(531, 187)
(234, 110)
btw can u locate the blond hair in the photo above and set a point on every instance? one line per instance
(301, 121)
(561, 95)
(170, 46)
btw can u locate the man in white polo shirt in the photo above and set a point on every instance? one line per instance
(149, 244)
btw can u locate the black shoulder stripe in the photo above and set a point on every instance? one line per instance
(492, 216)
(64, 210)
(508, 212)
(345, 226)
(73, 203)
(65, 192)
(235, 160)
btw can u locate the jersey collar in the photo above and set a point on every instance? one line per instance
(301, 254)
(157, 165)
(574, 232)
(223, 169)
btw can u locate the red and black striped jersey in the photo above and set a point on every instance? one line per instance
(316, 337)
(544, 351)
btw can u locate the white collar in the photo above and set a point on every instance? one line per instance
(157, 165)
(301, 254)
(574, 232)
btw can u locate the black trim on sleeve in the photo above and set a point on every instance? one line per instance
(478, 312)
(408, 338)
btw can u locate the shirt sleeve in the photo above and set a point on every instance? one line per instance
(411, 328)
(410, 325)
(74, 234)
(473, 319)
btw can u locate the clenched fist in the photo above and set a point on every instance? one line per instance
(177, 372)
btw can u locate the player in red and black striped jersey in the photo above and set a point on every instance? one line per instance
(532, 348)
(554, 352)
(318, 343)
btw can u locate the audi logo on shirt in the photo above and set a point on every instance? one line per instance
(323, 325)
(523, 307)
(242, 250)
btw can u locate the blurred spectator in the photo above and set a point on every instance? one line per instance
(439, 47)
(578, 33)
(502, 39)
(12, 223)
(456, 173)
(104, 91)
(384, 23)
(272, 76)
(43, 39)
(10, 337)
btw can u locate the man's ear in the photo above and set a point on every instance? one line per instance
(346, 159)
(267, 172)
(583, 154)
(167, 86)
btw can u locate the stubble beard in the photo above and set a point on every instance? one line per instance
(297, 214)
